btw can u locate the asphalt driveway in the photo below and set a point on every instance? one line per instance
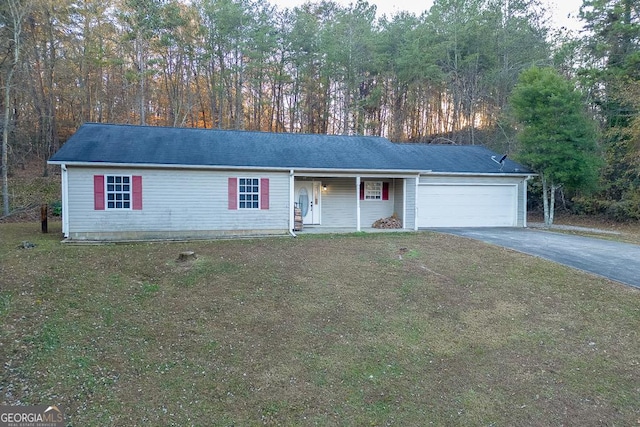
(613, 260)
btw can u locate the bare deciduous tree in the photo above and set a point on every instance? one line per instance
(12, 19)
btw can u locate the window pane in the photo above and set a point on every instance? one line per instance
(373, 190)
(118, 192)
(248, 193)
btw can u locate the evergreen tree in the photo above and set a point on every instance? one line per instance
(557, 138)
(611, 71)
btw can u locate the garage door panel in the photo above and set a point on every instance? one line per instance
(467, 205)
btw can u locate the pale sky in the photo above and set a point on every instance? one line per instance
(560, 9)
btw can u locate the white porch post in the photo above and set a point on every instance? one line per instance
(404, 202)
(357, 203)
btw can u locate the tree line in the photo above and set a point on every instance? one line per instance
(444, 76)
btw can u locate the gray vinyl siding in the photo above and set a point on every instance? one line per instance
(500, 180)
(396, 189)
(185, 203)
(410, 220)
(373, 210)
(175, 203)
(339, 202)
(522, 203)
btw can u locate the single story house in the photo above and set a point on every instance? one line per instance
(143, 182)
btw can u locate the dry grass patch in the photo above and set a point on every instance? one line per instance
(603, 228)
(404, 329)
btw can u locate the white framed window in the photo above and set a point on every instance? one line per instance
(373, 190)
(118, 191)
(248, 193)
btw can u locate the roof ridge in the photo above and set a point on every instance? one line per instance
(259, 132)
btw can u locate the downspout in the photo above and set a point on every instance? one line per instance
(415, 204)
(291, 204)
(65, 200)
(524, 200)
(357, 203)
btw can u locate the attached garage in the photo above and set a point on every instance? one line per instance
(467, 205)
(467, 186)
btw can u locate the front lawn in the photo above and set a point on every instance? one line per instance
(369, 329)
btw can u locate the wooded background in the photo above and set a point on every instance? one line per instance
(443, 77)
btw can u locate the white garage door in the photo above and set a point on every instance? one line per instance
(467, 205)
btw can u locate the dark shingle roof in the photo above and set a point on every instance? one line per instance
(149, 145)
(459, 159)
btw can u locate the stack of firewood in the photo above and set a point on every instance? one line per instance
(391, 222)
(297, 213)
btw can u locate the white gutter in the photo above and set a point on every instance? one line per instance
(309, 172)
(306, 172)
(340, 173)
(502, 174)
(524, 198)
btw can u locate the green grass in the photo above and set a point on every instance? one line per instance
(5, 303)
(369, 329)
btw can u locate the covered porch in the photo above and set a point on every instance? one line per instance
(324, 203)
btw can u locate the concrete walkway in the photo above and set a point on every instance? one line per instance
(612, 260)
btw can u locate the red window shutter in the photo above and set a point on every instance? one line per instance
(136, 192)
(362, 191)
(233, 193)
(385, 191)
(98, 192)
(264, 193)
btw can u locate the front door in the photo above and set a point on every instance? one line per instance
(308, 199)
